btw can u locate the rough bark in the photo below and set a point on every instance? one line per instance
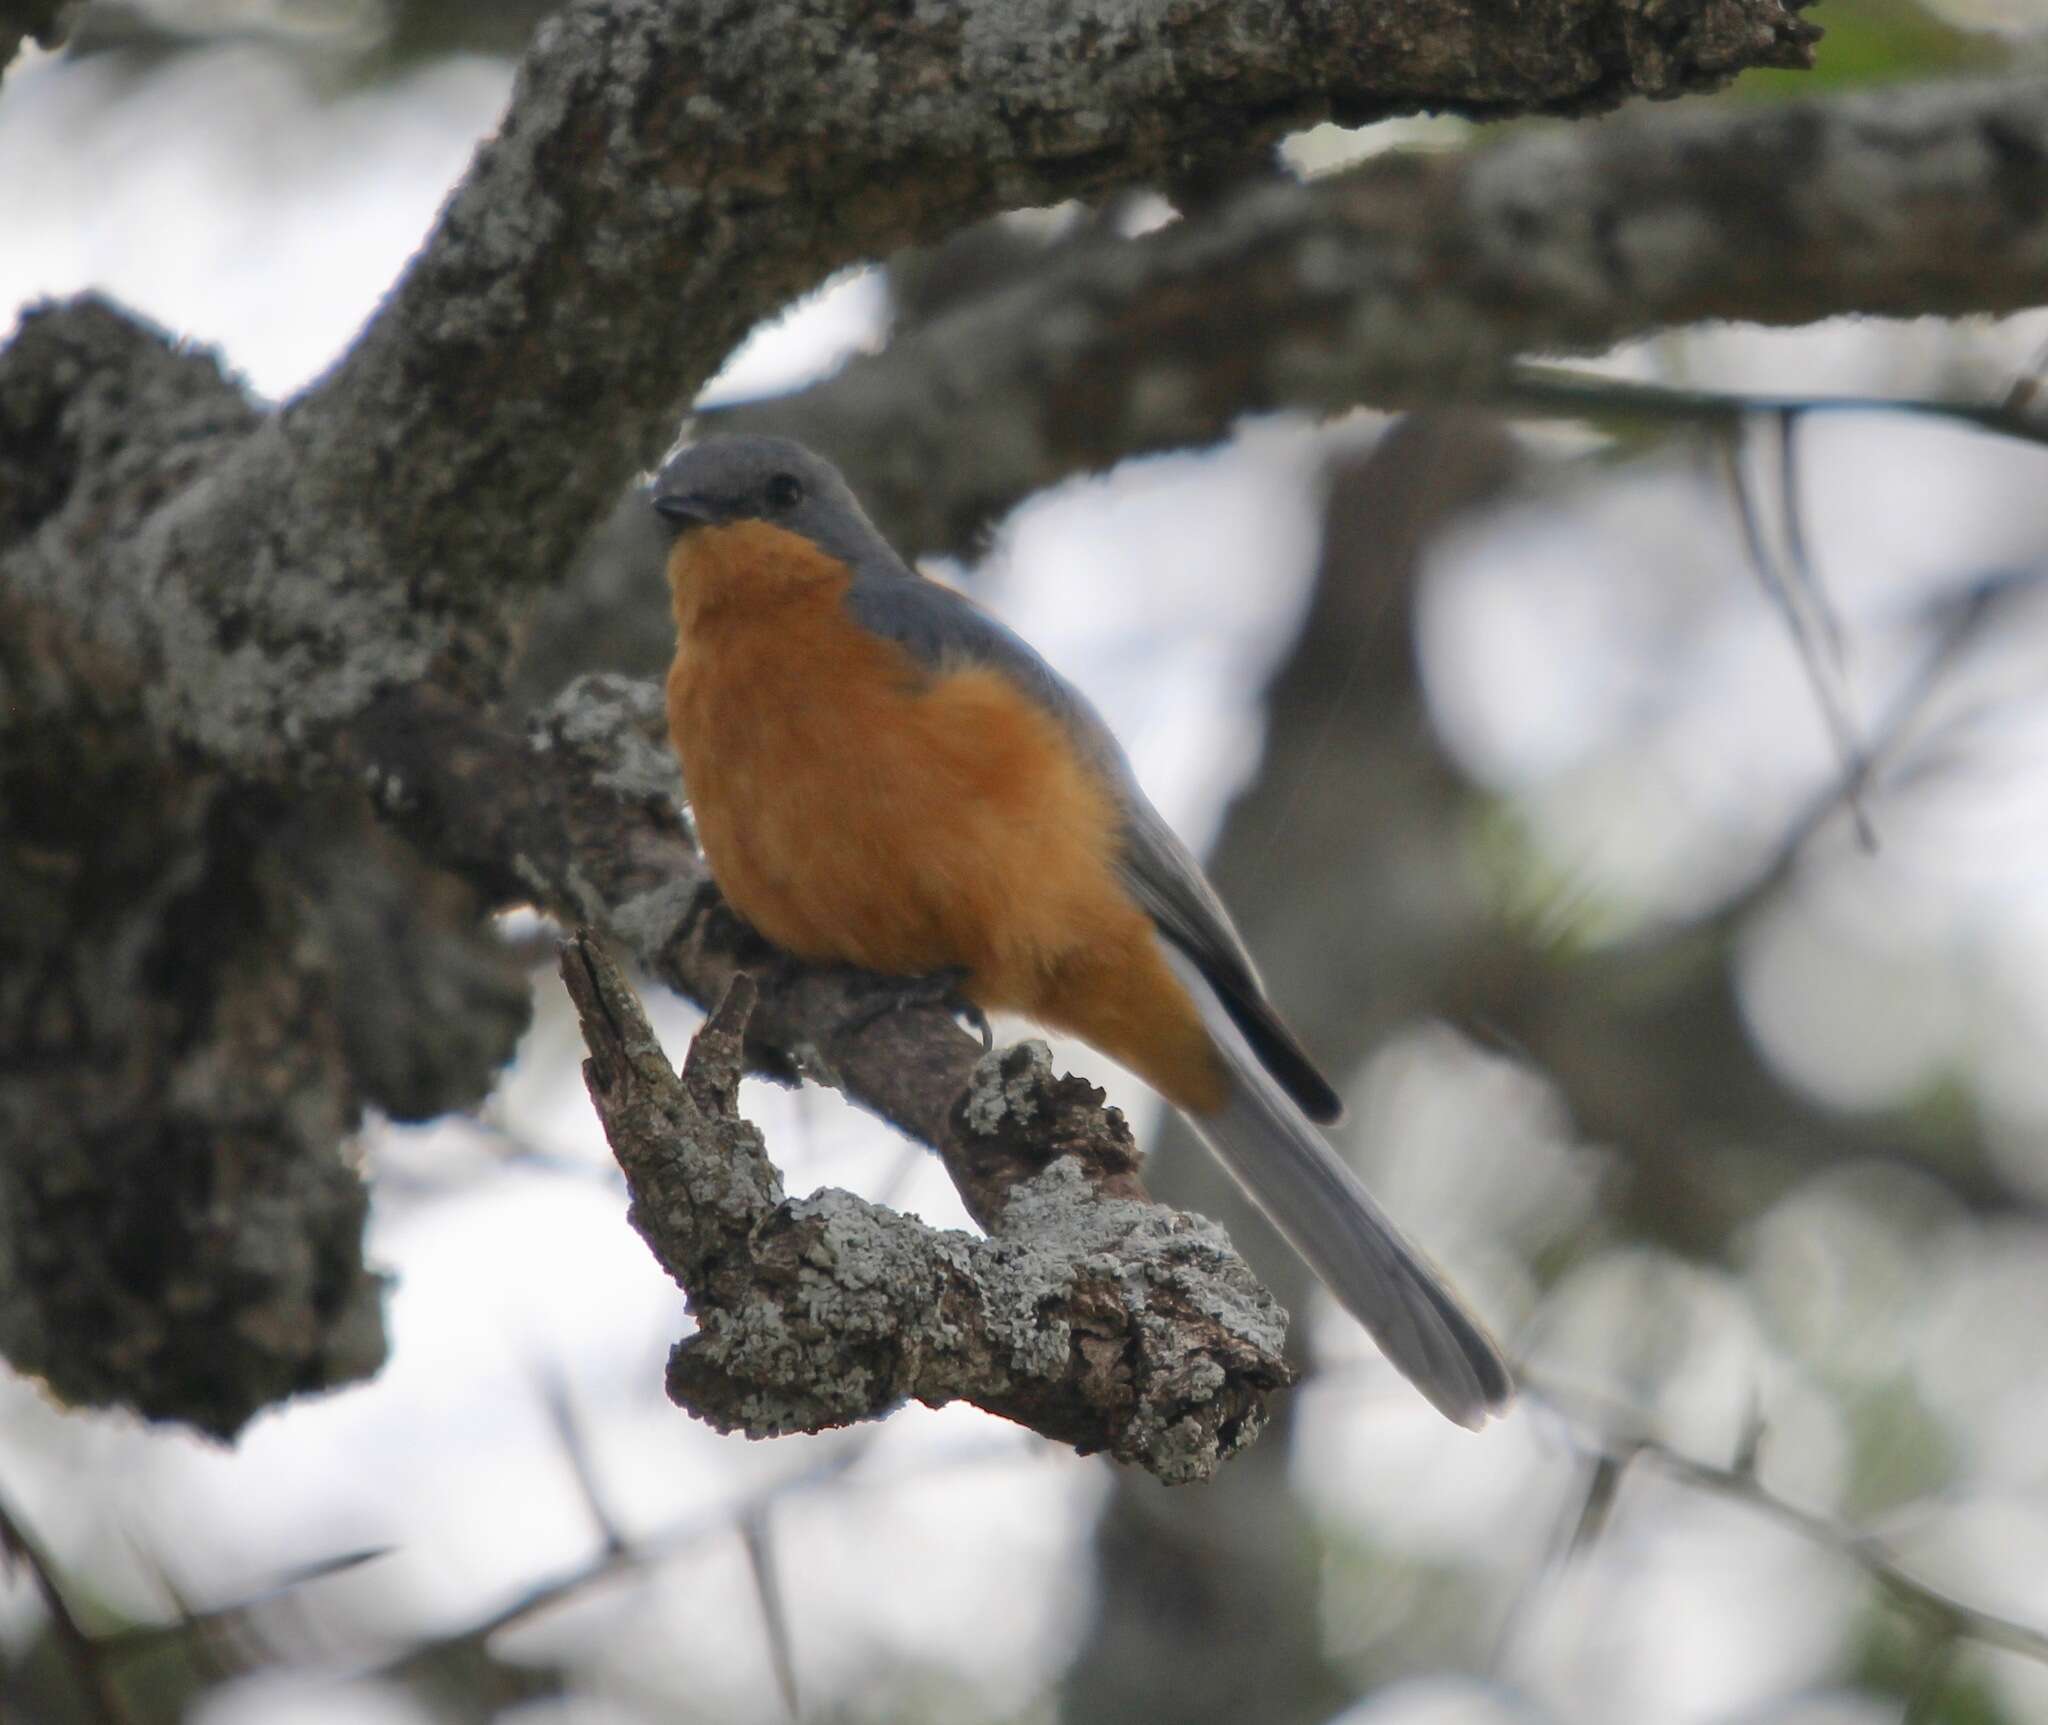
(1420, 277)
(201, 986)
(179, 1231)
(239, 616)
(202, 981)
(38, 21)
(1098, 1318)
(1095, 1318)
(1411, 278)
(664, 177)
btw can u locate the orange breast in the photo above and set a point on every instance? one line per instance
(858, 807)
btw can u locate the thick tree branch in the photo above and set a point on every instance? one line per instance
(1423, 277)
(201, 982)
(618, 168)
(1408, 279)
(1104, 1322)
(38, 21)
(667, 175)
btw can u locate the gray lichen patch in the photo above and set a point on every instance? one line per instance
(1082, 1317)
(1006, 1085)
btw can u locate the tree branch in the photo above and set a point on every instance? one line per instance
(39, 21)
(1617, 1437)
(1417, 277)
(84, 1651)
(582, 816)
(383, 527)
(1565, 392)
(1410, 279)
(1101, 1321)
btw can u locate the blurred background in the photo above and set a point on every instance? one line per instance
(1647, 820)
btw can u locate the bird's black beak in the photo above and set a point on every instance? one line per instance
(682, 511)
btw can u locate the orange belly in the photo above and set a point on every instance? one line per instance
(858, 807)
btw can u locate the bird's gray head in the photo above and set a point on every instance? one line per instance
(723, 480)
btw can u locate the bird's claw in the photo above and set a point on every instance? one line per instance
(940, 988)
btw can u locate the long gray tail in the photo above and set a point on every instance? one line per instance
(1313, 1198)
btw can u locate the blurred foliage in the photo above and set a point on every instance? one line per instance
(1880, 42)
(1900, 1451)
(1388, 1614)
(1546, 906)
(1895, 1657)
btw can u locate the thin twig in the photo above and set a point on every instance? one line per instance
(81, 1649)
(670, 1542)
(1965, 625)
(1828, 697)
(2024, 397)
(1604, 1430)
(569, 1433)
(757, 1535)
(1565, 392)
(1577, 1527)
(1798, 557)
(207, 1625)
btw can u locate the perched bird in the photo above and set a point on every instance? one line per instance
(882, 775)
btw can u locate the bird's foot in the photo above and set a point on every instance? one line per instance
(940, 988)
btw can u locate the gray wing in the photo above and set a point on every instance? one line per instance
(1164, 877)
(1312, 1196)
(938, 627)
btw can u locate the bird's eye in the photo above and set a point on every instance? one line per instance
(785, 491)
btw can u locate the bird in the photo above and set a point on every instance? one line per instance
(883, 775)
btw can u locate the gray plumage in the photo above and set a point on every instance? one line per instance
(1263, 1133)
(1310, 1194)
